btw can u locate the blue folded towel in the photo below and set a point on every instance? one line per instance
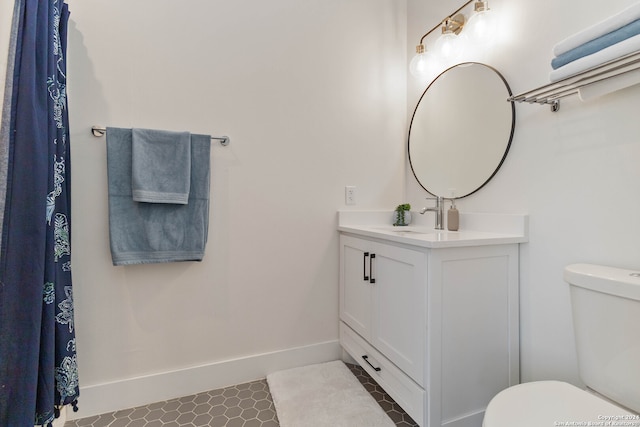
(142, 233)
(618, 50)
(605, 26)
(595, 45)
(161, 166)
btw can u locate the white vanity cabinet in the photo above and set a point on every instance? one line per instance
(383, 299)
(436, 327)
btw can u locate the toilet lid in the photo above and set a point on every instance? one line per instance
(550, 403)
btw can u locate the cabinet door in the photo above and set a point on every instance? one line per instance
(399, 301)
(355, 288)
(383, 292)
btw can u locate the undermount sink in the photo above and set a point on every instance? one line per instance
(408, 229)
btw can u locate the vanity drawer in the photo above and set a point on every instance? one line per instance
(408, 394)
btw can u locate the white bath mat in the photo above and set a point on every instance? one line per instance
(324, 395)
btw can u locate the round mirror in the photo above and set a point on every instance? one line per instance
(461, 130)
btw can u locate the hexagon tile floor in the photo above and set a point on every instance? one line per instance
(243, 405)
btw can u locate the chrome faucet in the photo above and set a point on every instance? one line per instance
(438, 209)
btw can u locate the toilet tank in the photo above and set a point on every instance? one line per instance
(605, 303)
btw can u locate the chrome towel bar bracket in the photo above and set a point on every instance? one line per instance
(99, 131)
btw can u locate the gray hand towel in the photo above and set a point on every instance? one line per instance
(161, 166)
(142, 233)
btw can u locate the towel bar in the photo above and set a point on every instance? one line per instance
(99, 131)
(552, 92)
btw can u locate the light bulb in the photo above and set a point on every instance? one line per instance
(481, 27)
(423, 63)
(418, 65)
(447, 46)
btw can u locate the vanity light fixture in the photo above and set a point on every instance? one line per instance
(481, 27)
(448, 45)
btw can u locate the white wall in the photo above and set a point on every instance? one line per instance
(575, 171)
(313, 96)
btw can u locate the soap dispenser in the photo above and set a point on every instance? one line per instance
(453, 217)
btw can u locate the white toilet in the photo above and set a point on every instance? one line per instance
(605, 302)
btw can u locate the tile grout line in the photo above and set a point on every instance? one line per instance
(243, 405)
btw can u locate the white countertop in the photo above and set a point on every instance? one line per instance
(475, 229)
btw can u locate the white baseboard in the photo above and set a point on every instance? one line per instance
(114, 396)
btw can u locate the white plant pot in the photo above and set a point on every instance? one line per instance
(407, 218)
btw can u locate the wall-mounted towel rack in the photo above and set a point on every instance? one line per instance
(101, 130)
(551, 93)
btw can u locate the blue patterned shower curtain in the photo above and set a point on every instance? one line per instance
(38, 369)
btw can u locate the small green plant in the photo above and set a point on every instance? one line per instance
(400, 210)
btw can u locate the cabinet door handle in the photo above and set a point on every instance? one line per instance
(364, 267)
(366, 359)
(371, 279)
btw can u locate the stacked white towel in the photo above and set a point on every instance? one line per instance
(612, 38)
